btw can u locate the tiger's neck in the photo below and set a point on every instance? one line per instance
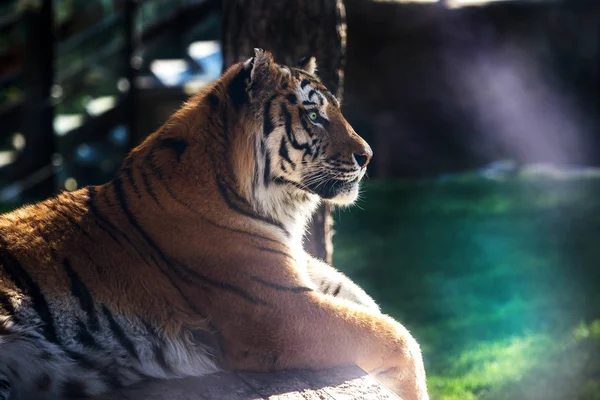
(292, 208)
(288, 207)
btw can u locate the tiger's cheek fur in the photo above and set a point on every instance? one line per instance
(294, 146)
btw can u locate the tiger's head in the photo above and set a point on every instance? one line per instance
(268, 140)
(303, 145)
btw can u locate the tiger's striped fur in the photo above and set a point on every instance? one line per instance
(190, 260)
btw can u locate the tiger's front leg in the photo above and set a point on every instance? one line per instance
(305, 329)
(330, 281)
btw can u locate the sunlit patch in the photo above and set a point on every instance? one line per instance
(530, 117)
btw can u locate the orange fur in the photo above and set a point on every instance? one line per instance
(189, 262)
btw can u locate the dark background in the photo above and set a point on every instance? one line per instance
(478, 227)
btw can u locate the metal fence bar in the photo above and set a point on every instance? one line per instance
(38, 72)
(129, 70)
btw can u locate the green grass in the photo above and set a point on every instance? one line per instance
(497, 280)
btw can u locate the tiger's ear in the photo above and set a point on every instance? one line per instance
(308, 64)
(259, 72)
(261, 66)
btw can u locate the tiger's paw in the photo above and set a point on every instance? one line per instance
(404, 382)
(403, 370)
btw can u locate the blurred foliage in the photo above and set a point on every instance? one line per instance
(497, 279)
(69, 9)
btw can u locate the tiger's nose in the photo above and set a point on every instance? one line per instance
(363, 158)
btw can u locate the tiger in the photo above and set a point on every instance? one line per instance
(190, 260)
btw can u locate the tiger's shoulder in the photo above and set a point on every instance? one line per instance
(35, 231)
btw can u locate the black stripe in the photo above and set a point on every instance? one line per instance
(85, 338)
(275, 251)
(291, 98)
(317, 152)
(149, 159)
(267, 123)
(178, 145)
(267, 170)
(55, 207)
(258, 159)
(283, 152)
(5, 330)
(25, 282)
(213, 101)
(133, 221)
(304, 83)
(215, 224)
(149, 189)
(237, 88)
(129, 174)
(230, 189)
(6, 304)
(83, 295)
(290, 134)
(120, 195)
(112, 227)
(86, 363)
(322, 121)
(121, 198)
(120, 334)
(337, 290)
(327, 288)
(309, 103)
(98, 215)
(282, 180)
(224, 193)
(303, 62)
(294, 289)
(224, 286)
(304, 123)
(118, 186)
(106, 229)
(127, 212)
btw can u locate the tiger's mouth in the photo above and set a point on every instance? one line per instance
(331, 188)
(338, 191)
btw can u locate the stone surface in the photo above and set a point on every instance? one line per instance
(344, 383)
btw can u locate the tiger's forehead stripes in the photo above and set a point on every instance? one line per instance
(309, 95)
(308, 79)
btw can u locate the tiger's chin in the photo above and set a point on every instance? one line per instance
(338, 192)
(345, 198)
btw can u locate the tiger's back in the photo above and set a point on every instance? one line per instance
(65, 310)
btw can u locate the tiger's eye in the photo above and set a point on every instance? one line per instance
(312, 115)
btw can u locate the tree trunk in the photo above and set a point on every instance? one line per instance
(292, 30)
